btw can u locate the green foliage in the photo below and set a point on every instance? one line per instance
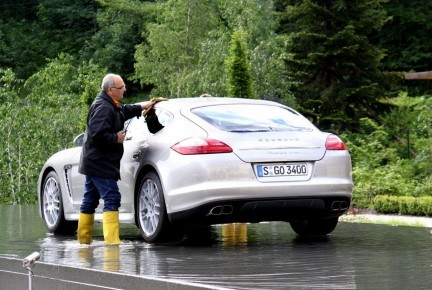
(410, 127)
(405, 205)
(369, 154)
(325, 56)
(10, 159)
(39, 124)
(406, 36)
(76, 20)
(405, 40)
(386, 204)
(169, 57)
(237, 67)
(89, 76)
(18, 9)
(16, 37)
(384, 162)
(47, 28)
(332, 62)
(184, 51)
(210, 76)
(50, 85)
(120, 26)
(254, 18)
(268, 70)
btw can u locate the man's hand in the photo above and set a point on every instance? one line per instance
(121, 136)
(155, 100)
(151, 103)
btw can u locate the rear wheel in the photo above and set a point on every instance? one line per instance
(151, 211)
(314, 227)
(52, 207)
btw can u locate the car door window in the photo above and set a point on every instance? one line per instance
(137, 127)
(157, 120)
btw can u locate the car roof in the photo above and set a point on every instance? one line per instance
(179, 103)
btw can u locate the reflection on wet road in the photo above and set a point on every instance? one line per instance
(239, 256)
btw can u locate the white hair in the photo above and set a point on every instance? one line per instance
(108, 81)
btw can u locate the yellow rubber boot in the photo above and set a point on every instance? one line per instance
(85, 228)
(111, 228)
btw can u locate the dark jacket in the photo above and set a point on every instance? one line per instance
(101, 154)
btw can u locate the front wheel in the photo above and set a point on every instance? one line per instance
(151, 210)
(314, 227)
(52, 207)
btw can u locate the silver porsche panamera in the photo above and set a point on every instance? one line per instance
(211, 161)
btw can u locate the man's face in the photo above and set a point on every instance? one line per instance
(118, 90)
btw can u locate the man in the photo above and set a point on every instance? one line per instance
(100, 158)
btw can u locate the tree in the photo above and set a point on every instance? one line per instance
(66, 26)
(405, 38)
(38, 120)
(184, 51)
(237, 67)
(405, 41)
(120, 25)
(333, 65)
(170, 54)
(265, 47)
(41, 30)
(10, 159)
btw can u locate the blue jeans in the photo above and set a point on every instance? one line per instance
(96, 188)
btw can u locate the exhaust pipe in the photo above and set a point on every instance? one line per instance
(339, 205)
(335, 205)
(227, 209)
(343, 205)
(217, 210)
(221, 210)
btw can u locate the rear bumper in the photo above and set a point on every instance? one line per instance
(258, 210)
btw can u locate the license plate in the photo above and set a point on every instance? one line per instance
(297, 169)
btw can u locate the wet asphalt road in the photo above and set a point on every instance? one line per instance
(240, 256)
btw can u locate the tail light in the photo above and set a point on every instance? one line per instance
(198, 145)
(333, 142)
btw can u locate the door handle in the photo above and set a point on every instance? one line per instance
(136, 155)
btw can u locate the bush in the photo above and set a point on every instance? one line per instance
(386, 204)
(406, 205)
(425, 205)
(381, 164)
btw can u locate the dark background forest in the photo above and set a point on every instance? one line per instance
(340, 63)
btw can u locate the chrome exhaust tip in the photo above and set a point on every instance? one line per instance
(221, 210)
(227, 209)
(339, 205)
(335, 205)
(217, 210)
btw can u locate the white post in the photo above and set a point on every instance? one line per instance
(29, 263)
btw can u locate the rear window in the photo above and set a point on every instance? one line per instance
(253, 118)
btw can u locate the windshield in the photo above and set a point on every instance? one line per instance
(253, 118)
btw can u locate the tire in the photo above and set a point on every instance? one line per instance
(314, 227)
(52, 207)
(151, 211)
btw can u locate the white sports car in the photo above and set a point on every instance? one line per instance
(211, 161)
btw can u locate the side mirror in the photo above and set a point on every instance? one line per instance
(79, 140)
